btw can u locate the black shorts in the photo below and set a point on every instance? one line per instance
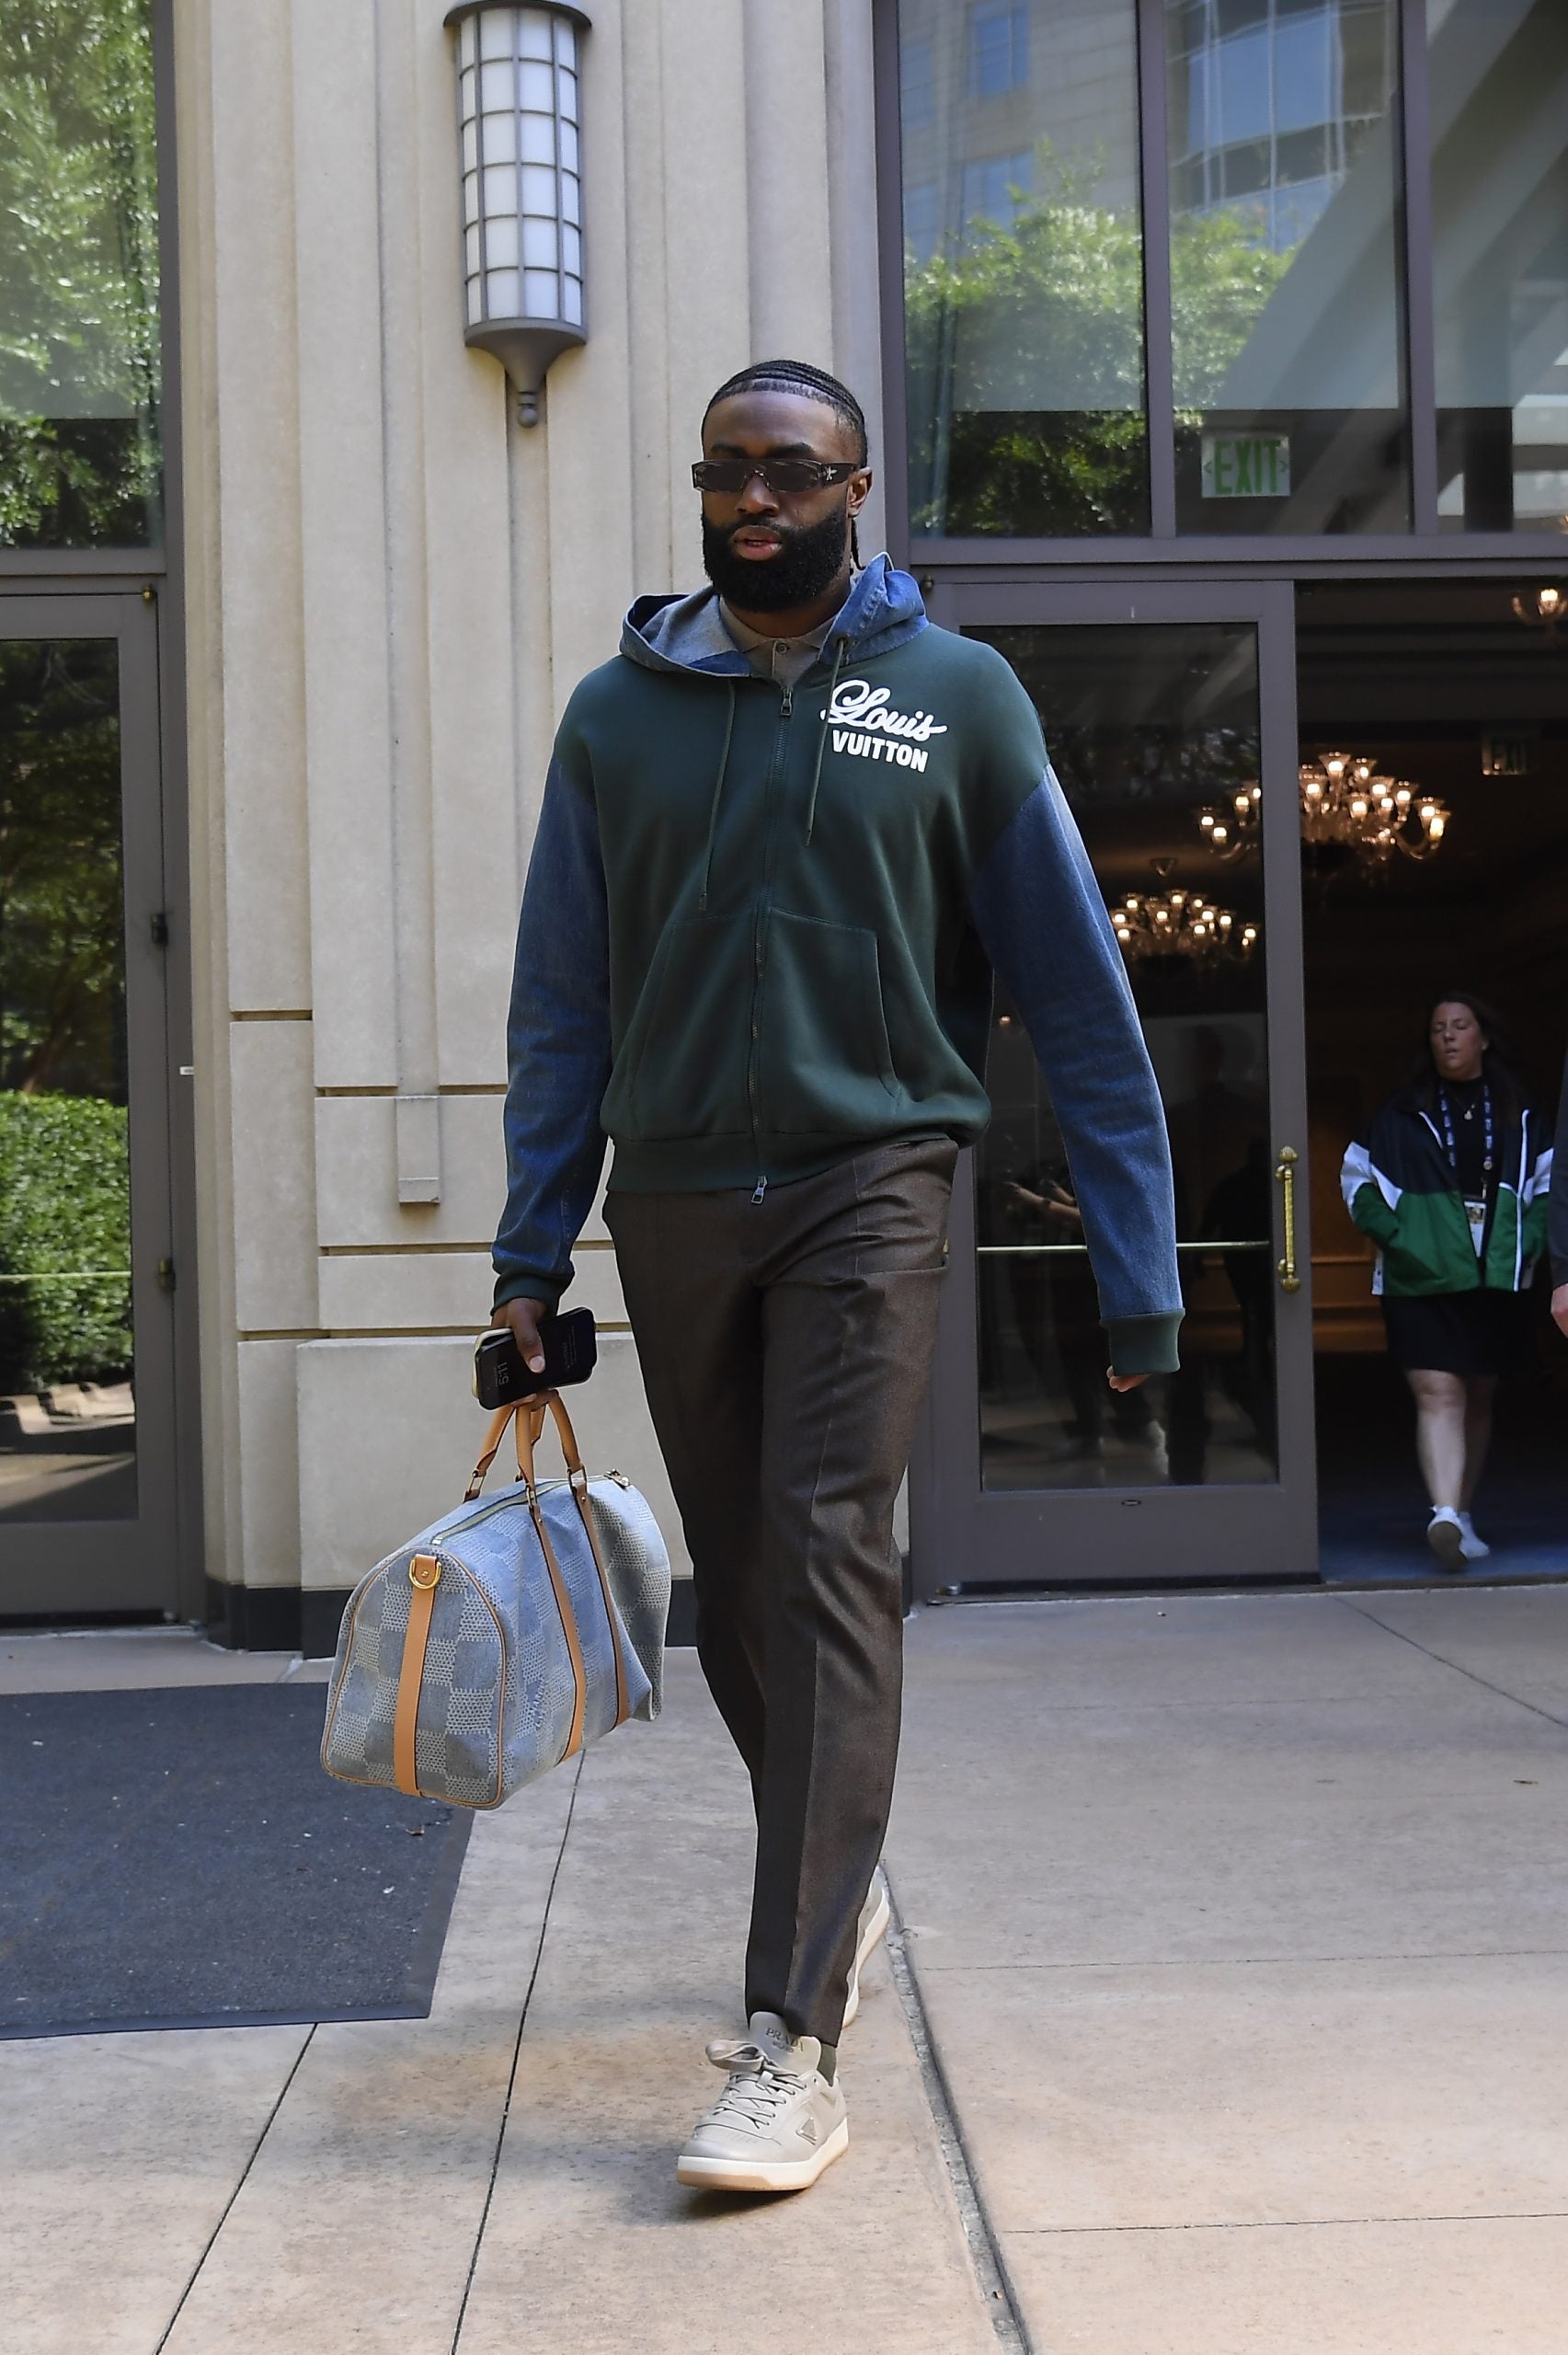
(1461, 1332)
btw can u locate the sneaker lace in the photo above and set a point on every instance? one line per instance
(758, 2087)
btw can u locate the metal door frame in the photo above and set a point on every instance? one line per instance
(962, 1535)
(61, 1569)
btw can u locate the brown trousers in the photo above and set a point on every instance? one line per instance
(786, 1345)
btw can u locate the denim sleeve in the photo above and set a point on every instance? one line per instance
(1556, 1192)
(1042, 921)
(557, 1049)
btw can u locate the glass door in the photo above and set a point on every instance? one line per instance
(87, 1520)
(1170, 717)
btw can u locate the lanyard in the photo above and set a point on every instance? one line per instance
(1449, 1138)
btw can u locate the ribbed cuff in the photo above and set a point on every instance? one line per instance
(546, 1288)
(1144, 1344)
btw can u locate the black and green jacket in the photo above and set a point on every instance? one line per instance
(760, 925)
(1399, 1190)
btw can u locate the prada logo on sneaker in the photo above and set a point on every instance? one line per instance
(864, 723)
(808, 2131)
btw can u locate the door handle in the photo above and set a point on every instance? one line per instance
(1285, 1170)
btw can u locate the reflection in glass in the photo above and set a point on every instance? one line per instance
(1499, 80)
(67, 1420)
(1145, 726)
(1024, 268)
(1283, 269)
(79, 452)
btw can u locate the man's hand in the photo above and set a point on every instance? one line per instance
(1560, 1307)
(522, 1318)
(1124, 1381)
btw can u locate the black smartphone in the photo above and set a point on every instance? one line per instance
(571, 1353)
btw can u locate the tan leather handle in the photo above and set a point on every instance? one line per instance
(527, 1417)
(528, 1439)
(493, 1438)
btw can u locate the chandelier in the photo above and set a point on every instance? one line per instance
(1546, 610)
(1180, 923)
(1346, 802)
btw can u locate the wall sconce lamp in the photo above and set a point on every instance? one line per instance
(518, 117)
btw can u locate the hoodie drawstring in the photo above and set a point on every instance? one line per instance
(718, 796)
(822, 738)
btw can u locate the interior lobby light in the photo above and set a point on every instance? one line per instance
(1543, 609)
(519, 113)
(1180, 923)
(1344, 801)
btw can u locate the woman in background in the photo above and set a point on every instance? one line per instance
(1451, 1185)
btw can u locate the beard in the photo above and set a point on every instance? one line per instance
(807, 564)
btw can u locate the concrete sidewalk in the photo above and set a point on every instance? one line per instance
(1242, 1929)
(1238, 1926)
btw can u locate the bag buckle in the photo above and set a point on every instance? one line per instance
(424, 1572)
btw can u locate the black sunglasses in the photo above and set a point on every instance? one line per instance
(784, 476)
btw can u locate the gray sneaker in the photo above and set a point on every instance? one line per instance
(777, 2123)
(875, 1915)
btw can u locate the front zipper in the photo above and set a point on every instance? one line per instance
(775, 769)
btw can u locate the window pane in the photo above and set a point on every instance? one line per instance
(79, 452)
(1147, 727)
(68, 1412)
(1023, 269)
(1499, 72)
(1284, 266)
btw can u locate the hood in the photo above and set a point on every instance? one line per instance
(883, 610)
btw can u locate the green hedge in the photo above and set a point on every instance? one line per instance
(64, 1206)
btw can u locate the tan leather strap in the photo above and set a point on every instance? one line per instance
(578, 1480)
(424, 1577)
(623, 1702)
(527, 1419)
(568, 1625)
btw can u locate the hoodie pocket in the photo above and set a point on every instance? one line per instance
(824, 1065)
(681, 1069)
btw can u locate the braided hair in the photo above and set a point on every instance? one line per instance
(813, 384)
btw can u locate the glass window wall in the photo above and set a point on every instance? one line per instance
(1024, 268)
(1499, 86)
(80, 462)
(1147, 726)
(1285, 283)
(67, 1354)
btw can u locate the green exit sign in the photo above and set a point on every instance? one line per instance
(1246, 465)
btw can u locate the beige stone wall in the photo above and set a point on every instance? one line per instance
(392, 588)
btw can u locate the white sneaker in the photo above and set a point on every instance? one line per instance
(1444, 1535)
(1473, 1548)
(778, 2122)
(875, 1915)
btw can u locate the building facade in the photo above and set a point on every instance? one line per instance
(1217, 356)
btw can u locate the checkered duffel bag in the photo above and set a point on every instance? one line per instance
(505, 1637)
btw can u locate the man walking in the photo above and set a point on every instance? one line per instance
(788, 834)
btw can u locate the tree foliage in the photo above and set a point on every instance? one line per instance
(79, 382)
(1055, 297)
(64, 1242)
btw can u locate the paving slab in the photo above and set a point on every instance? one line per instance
(1122, 1651)
(117, 2157)
(1247, 2094)
(357, 2222)
(1513, 1637)
(591, 2245)
(1243, 1950)
(1224, 1834)
(1493, 2286)
(129, 1660)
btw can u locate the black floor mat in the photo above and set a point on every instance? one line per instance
(180, 1859)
